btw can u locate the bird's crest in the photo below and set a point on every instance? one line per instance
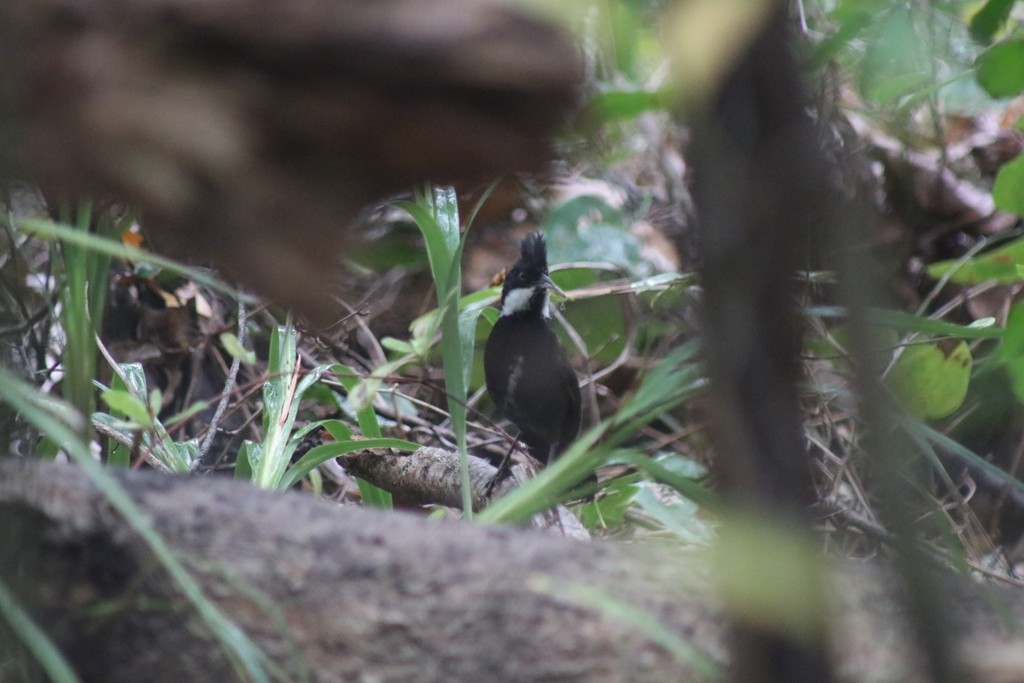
(533, 253)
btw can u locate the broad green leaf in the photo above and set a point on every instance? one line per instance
(280, 407)
(118, 454)
(1008, 191)
(908, 322)
(990, 19)
(1001, 69)
(931, 380)
(134, 377)
(849, 25)
(186, 451)
(897, 61)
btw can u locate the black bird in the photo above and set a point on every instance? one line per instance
(527, 372)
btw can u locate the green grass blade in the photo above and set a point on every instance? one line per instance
(328, 451)
(369, 425)
(636, 618)
(49, 230)
(438, 219)
(37, 642)
(281, 394)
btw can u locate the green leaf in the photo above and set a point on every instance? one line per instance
(396, 345)
(467, 333)
(896, 61)
(930, 380)
(610, 508)
(185, 451)
(616, 105)
(666, 385)
(338, 430)
(197, 407)
(1001, 69)
(156, 401)
(1000, 265)
(908, 322)
(681, 518)
(1008, 191)
(243, 461)
(849, 28)
(1011, 351)
(280, 407)
(235, 349)
(365, 413)
(374, 496)
(990, 19)
(129, 405)
(134, 377)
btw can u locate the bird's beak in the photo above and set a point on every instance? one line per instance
(553, 287)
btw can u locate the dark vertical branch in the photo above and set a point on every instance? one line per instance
(760, 191)
(889, 451)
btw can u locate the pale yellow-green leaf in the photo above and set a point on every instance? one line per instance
(930, 380)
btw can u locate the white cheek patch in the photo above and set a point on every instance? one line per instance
(518, 301)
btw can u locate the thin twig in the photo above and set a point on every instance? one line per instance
(229, 388)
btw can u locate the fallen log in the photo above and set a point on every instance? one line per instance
(347, 594)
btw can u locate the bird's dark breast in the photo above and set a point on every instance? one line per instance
(533, 385)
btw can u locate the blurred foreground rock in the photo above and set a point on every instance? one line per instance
(250, 133)
(350, 594)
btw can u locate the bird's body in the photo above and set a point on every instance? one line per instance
(528, 374)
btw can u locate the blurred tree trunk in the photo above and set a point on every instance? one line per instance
(761, 189)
